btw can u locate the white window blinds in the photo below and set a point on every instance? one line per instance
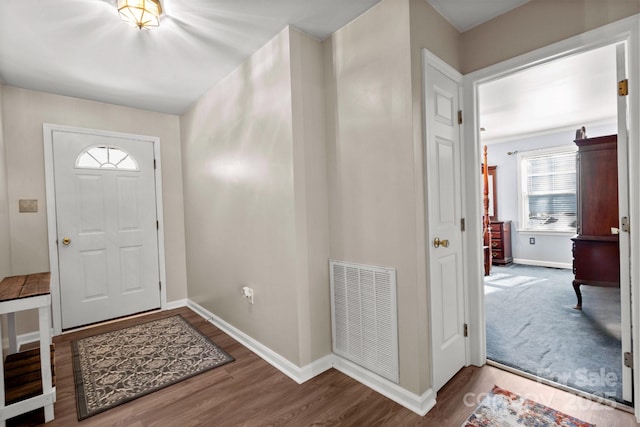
(549, 190)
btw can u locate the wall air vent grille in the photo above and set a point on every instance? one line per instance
(364, 316)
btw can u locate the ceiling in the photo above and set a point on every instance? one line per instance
(466, 14)
(80, 48)
(559, 95)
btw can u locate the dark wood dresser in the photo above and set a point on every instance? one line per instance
(596, 253)
(501, 242)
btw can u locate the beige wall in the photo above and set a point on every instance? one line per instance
(5, 247)
(311, 198)
(429, 31)
(24, 113)
(306, 151)
(5, 241)
(250, 198)
(374, 128)
(537, 24)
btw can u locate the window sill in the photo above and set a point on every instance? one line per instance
(547, 232)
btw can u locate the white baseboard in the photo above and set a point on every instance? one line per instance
(296, 373)
(537, 263)
(23, 339)
(418, 404)
(35, 336)
(177, 304)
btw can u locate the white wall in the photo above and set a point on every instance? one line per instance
(549, 249)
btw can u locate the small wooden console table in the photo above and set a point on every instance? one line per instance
(18, 293)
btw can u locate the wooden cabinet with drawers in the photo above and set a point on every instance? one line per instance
(501, 242)
(596, 253)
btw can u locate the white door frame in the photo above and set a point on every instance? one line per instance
(48, 130)
(626, 30)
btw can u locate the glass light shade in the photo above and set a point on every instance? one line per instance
(141, 13)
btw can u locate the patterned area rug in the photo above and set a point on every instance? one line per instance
(119, 366)
(505, 409)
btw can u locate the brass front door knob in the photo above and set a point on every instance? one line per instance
(66, 241)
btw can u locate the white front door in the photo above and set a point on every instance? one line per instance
(106, 220)
(444, 201)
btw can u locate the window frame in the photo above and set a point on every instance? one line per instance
(108, 148)
(523, 195)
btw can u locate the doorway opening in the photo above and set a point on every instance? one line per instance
(528, 120)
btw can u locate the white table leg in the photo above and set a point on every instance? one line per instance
(13, 341)
(2, 420)
(45, 358)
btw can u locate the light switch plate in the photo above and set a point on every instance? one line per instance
(28, 205)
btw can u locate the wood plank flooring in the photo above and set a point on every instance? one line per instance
(22, 376)
(250, 392)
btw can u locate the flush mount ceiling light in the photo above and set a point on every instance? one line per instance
(140, 13)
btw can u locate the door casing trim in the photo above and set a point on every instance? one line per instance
(626, 30)
(47, 130)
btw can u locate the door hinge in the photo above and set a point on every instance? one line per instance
(459, 117)
(463, 225)
(154, 164)
(624, 224)
(160, 285)
(623, 87)
(466, 330)
(157, 225)
(628, 359)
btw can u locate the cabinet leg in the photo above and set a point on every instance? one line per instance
(576, 287)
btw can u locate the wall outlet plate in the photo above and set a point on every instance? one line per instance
(532, 240)
(247, 292)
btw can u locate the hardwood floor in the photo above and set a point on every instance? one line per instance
(250, 392)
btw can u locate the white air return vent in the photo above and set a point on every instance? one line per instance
(364, 316)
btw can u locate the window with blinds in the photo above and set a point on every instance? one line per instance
(549, 189)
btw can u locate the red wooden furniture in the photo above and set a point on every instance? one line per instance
(596, 255)
(501, 242)
(486, 226)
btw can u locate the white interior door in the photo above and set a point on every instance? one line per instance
(443, 174)
(623, 209)
(106, 227)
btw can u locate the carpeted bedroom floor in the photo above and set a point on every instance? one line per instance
(532, 326)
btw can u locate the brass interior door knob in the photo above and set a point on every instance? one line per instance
(437, 243)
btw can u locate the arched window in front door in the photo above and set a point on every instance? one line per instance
(106, 157)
